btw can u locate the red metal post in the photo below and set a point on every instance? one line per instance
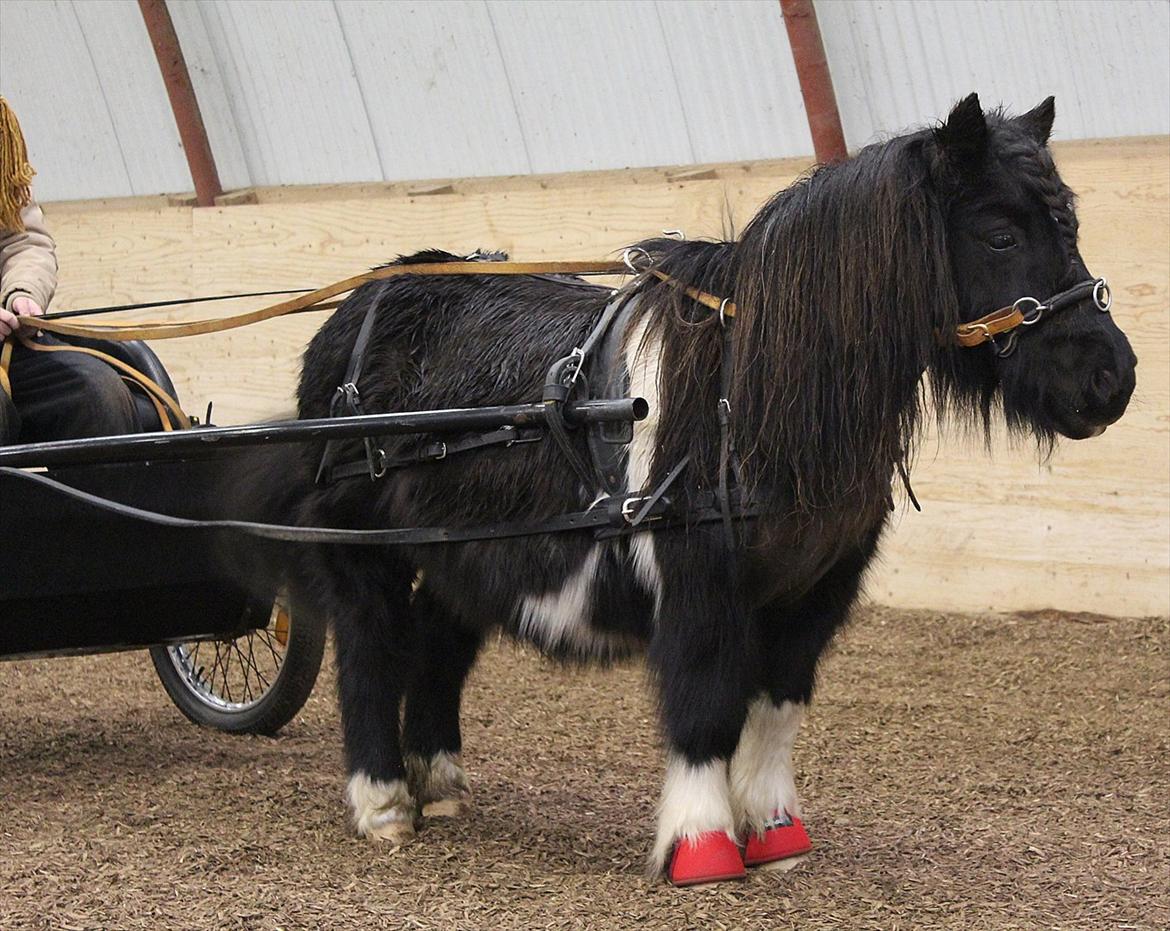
(189, 120)
(816, 83)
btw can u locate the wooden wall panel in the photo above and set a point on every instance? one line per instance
(1086, 530)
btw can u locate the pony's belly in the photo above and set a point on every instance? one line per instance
(569, 602)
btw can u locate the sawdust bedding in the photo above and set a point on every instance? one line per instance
(989, 772)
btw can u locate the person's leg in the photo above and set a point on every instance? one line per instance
(63, 395)
(9, 420)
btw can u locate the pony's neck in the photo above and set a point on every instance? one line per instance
(835, 283)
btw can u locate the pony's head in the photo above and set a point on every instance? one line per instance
(1011, 233)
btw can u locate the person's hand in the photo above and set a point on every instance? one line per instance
(22, 306)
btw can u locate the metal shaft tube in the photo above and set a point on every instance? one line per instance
(182, 444)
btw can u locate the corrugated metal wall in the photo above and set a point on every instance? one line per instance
(897, 63)
(350, 90)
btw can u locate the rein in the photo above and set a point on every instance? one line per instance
(1023, 312)
(313, 300)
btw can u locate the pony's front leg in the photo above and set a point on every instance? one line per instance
(763, 787)
(698, 652)
(792, 638)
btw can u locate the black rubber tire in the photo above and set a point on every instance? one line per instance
(277, 706)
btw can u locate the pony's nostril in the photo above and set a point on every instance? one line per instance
(1103, 386)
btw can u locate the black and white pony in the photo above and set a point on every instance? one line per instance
(849, 286)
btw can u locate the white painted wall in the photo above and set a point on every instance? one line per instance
(318, 91)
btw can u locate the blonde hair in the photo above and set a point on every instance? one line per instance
(15, 172)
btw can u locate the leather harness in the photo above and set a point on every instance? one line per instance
(598, 368)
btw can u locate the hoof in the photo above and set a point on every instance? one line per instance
(447, 807)
(709, 858)
(783, 837)
(394, 832)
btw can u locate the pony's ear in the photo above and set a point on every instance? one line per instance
(1037, 122)
(962, 139)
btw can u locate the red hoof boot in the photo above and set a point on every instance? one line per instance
(783, 837)
(709, 858)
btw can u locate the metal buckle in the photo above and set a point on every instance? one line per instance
(442, 455)
(723, 311)
(1102, 296)
(349, 394)
(578, 354)
(969, 328)
(630, 505)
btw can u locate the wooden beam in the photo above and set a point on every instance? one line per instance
(816, 81)
(184, 105)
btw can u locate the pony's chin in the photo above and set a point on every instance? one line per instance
(1075, 427)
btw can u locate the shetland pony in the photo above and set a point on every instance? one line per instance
(848, 286)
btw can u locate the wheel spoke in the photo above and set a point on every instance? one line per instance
(231, 675)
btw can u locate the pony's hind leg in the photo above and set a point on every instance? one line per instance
(430, 734)
(370, 607)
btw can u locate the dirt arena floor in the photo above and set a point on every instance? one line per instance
(958, 772)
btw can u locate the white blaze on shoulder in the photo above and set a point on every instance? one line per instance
(762, 780)
(383, 810)
(695, 799)
(643, 359)
(560, 618)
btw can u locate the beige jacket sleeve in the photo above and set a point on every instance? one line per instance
(28, 260)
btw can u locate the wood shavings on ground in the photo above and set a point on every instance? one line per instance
(991, 772)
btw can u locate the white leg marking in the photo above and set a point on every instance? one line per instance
(695, 800)
(439, 784)
(643, 361)
(761, 771)
(381, 810)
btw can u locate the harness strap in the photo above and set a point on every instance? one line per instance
(651, 501)
(725, 441)
(347, 393)
(438, 451)
(607, 518)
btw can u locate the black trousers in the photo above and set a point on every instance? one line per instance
(63, 395)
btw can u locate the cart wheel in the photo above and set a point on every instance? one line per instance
(252, 684)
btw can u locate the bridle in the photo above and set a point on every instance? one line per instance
(1028, 311)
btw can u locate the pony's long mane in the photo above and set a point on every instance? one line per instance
(841, 282)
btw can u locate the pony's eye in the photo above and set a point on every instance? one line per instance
(1001, 242)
